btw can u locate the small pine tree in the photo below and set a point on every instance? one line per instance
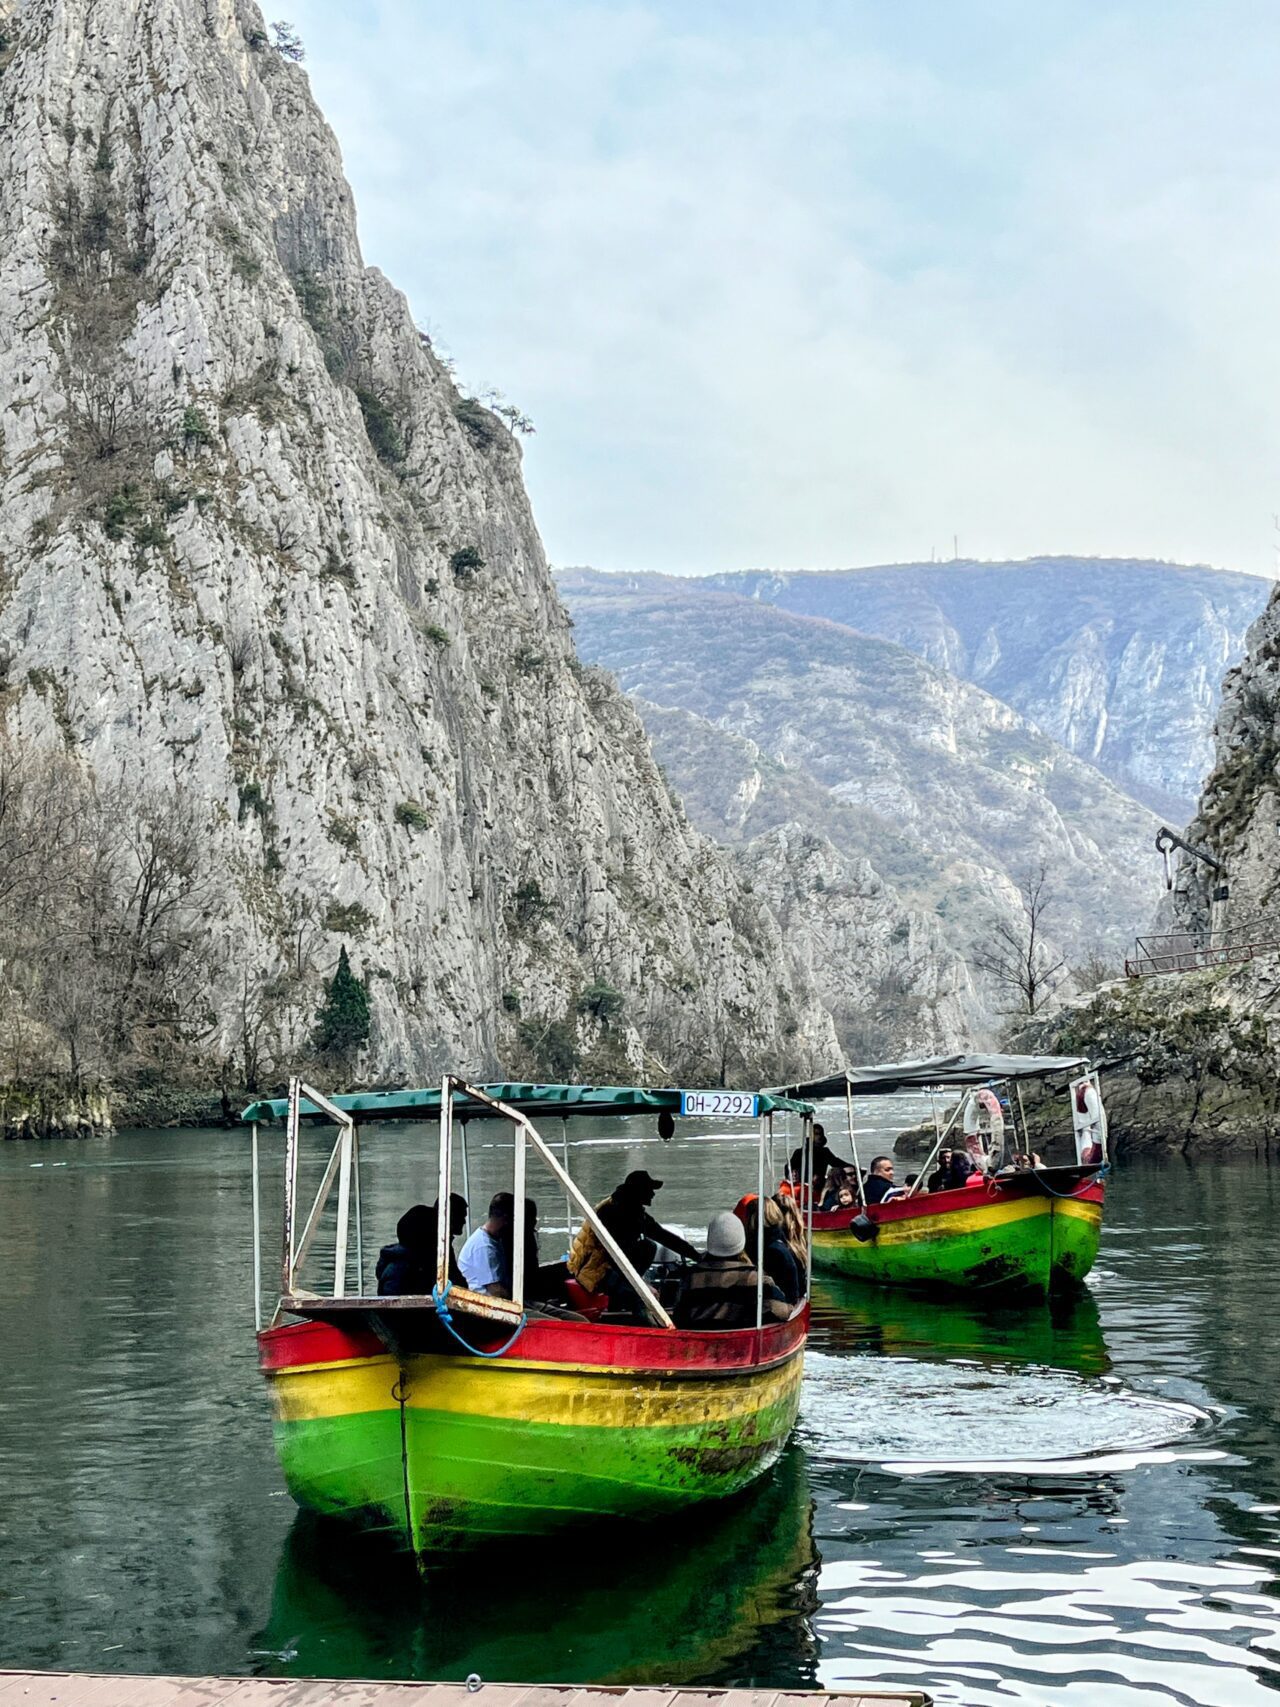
(287, 43)
(343, 1022)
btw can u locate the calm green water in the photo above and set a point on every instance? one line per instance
(1008, 1507)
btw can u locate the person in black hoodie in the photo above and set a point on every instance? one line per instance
(407, 1268)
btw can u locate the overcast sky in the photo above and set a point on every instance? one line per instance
(811, 285)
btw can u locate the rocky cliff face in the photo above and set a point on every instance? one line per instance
(255, 548)
(1238, 819)
(949, 793)
(1120, 661)
(1196, 1055)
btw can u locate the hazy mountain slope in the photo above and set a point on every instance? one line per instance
(885, 969)
(961, 777)
(1120, 660)
(255, 548)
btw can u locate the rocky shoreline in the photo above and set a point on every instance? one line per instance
(1189, 1061)
(54, 1110)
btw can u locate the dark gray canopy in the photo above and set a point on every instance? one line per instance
(938, 1070)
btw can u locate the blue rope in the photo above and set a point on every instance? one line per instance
(440, 1300)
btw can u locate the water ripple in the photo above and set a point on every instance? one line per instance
(917, 1418)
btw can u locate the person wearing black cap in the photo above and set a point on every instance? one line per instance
(825, 1161)
(625, 1212)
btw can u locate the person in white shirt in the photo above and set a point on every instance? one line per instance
(481, 1259)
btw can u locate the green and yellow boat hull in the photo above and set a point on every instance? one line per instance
(1012, 1237)
(442, 1448)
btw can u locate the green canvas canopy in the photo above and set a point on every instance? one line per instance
(562, 1100)
(934, 1072)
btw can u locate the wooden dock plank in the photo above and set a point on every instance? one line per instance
(298, 1692)
(122, 1689)
(111, 1689)
(539, 1695)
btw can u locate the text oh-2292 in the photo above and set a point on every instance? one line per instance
(726, 1104)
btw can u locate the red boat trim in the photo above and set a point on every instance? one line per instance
(598, 1344)
(941, 1202)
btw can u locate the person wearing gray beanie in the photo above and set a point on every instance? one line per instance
(726, 1236)
(722, 1287)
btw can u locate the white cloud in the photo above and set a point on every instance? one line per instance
(822, 285)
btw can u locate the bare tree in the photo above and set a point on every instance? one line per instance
(112, 901)
(1016, 954)
(1094, 969)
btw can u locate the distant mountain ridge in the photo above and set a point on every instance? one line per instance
(1121, 660)
(791, 722)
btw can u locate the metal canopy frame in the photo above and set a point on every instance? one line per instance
(939, 1072)
(459, 1099)
(562, 1100)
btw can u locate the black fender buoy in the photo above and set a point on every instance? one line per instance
(863, 1228)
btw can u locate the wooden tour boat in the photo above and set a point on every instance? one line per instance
(453, 1417)
(1028, 1233)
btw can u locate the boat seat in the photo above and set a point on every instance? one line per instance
(588, 1304)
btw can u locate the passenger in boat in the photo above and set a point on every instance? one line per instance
(879, 1181)
(544, 1283)
(793, 1231)
(625, 1213)
(824, 1160)
(723, 1284)
(407, 1269)
(780, 1265)
(951, 1172)
(481, 1258)
(840, 1186)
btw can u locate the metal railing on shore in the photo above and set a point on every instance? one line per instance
(1190, 951)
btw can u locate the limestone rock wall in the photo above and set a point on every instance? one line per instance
(1193, 1058)
(254, 546)
(893, 985)
(1238, 819)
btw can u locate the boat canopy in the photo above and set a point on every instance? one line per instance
(933, 1073)
(531, 1099)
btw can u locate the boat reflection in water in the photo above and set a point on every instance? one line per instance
(681, 1601)
(850, 1317)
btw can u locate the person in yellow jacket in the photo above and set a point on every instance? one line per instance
(625, 1212)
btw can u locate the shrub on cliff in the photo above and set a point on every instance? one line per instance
(381, 426)
(602, 1001)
